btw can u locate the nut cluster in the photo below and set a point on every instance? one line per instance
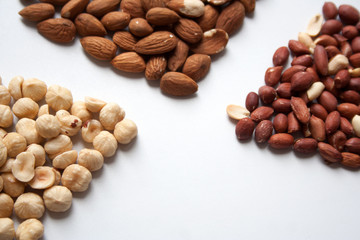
(39, 156)
(318, 96)
(169, 40)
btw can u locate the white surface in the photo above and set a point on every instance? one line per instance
(186, 176)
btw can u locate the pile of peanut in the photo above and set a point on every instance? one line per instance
(39, 169)
(315, 103)
(169, 40)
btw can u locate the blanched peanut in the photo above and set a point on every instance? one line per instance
(47, 126)
(12, 186)
(3, 153)
(110, 115)
(5, 97)
(91, 159)
(25, 108)
(105, 143)
(57, 198)
(60, 144)
(34, 88)
(44, 109)
(44, 178)
(2, 133)
(6, 205)
(58, 98)
(39, 153)
(30, 229)
(26, 128)
(29, 205)
(76, 178)
(79, 110)
(6, 116)
(23, 167)
(237, 112)
(14, 87)
(93, 104)
(7, 166)
(15, 144)
(65, 159)
(69, 124)
(125, 131)
(7, 230)
(90, 130)
(1, 184)
(356, 124)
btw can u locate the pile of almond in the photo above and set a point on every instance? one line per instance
(315, 103)
(170, 40)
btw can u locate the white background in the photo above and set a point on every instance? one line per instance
(186, 176)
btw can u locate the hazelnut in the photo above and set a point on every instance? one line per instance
(44, 109)
(58, 98)
(12, 186)
(125, 131)
(29, 205)
(1, 184)
(6, 205)
(34, 88)
(6, 116)
(7, 230)
(44, 177)
(47, 126)
(105, 143)
(3, 153)
(26, 128)
(79, 110)
(110, 115)
(91, 159)
(57, 198)
(5, 97)
(25, 107)
(30, 229)
(2, 133)
(60, 144)
(7, 166)
(76, 178)
(93, 104)
(39, 153)
(23, 167)
(69, 124)
(90, 130)
(65, 159)
(15, 144)
(14, 87)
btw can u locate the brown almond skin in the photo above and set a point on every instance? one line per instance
(350, 160)
(197, 66)
(267, 94)
(282, 105)
(298, 48)
(284, 90)
(140, 27)
(177, 84)
(332, 122)
(99, 8)
(293, 123)
(350, 96)
(301, 81)
(261, 113)
(319, 111)
(162, 16)
(244, 129)
(155, 67)
(208, 20)
(129, 62)
(231, 17)
(353, 145)
(178, 57)
(300, 109)
(124, 40)
(59, 30)
(305, 145)
(149, 4)
(348, 14)
(263, 131)
(303, 60)
(273, 75)
(328, 101)
(317, 128)
(281, 56)
(188, 30)
(213, 41)
(115, 21)
(280, 123)
(249, 5)
(331, 27)
(329, 10)
(288, 73)
(38, 12)
(348, 110)
(281, 141)
(337, 140)
(73, 8)
(88, 25)
(329, 153)
(156, 43)
(346, 126)
(252, 101)
(321, 60)
(99, 47)
(132, 7)
(55, 2)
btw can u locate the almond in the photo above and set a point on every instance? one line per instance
(99, 47)
(353, 145)
(140, 27)
(280, 123)
(88, 25)
(208, 20)
(350, 160)
(252, 101)
(197, 66)
(300, 109)
(129, 62)
(38, 12)
(218, 2)
(329, 153)
(244, 129)
(281, 141)
(59, 30)
(178, 56)
(114, 21)
(55, 2)
(348, 14)
(132, 7)
(162, 16)
(188, 8)
(281, 56)
(73, 8)
(213, 41)
(188, 30)
(125, 40)
(317, 128)
(231, 17)
(177, 84)
(337, 140)
(156, 43)
(155, 68)
(329, 10)
(263, 131)
(149, 4)
(249, 5)
(261, 113)
(305, 145)
(99, 8)
(273, 75)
